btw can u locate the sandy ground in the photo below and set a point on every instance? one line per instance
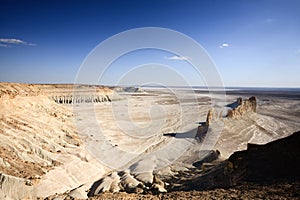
(50, 148)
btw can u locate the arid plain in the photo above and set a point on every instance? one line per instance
(80, 141)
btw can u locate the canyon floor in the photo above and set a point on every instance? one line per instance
(62, 141)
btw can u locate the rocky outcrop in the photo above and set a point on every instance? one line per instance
(241, 107)
(123, 181)
(209, 117)
(203, 127)
(234, 110)
(277, 160)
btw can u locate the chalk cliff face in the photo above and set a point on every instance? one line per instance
(241, 107)
(77, 94)
(236, 109)
(60, 93)
(34, 132)
(40, 150)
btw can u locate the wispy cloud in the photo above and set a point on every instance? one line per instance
(7, 42)
(4, 45)
(224, 45)
(177, 58)
(297, 52)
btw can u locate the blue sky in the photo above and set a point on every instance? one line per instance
(252, 43)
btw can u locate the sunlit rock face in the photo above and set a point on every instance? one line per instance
(232, 111)
(241, 107)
